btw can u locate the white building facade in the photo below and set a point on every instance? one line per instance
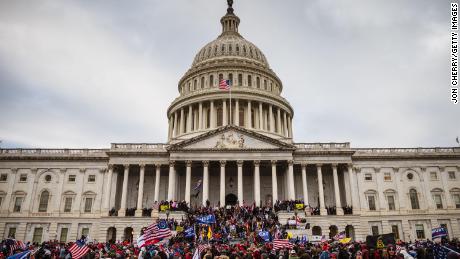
(243, 151)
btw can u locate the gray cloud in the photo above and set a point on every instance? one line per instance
(87, 73)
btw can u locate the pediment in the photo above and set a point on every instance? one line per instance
(231, 138)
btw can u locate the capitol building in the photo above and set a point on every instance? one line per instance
(241, 150)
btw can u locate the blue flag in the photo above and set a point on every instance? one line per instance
(208, 219)
(265, 235)
(23, 255)
(189, 232)
(438, 232)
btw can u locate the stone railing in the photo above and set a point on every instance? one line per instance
(52, 152)
(319, 146)
(407, 150)
(138, 146)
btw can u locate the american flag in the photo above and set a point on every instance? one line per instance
(282, 243)
(224, 84)
(154, 233)
(440, 252)
(78, 249)
(199, 250)
(15, 245)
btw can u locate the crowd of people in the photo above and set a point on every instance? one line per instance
(234, 232)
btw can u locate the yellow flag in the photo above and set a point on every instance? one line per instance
(345, 240)
(209, 233)
(289, 235)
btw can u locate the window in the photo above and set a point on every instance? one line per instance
(3, 177)
(63, 237)
(419, 231)
(202, 82)
(456, 198)
(410, 176)
(230, 77)
(1, 201)
(414, 199)
(91, 178)
(375, 230)
(37, 238)
(433, 176)
(391, 202)
(240, 79)
(258, 82)
(47, 178)
(220, 117)
(395, 231)
(12, 233)
(43, 205)
(194, 84)
(387, 176)
(23, 178)
(85, 232)
(452, 175)
(221, 76)
(18, 204)
(265, 84)
(249, 80)
(88, 204)
(444, 226)
(72, 178)
(211, 80)
(368, 177)
(437, 200)
(371, 202)
(68, 204)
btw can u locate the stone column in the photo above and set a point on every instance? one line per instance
(188, 179)
(222, 182)
(205, 182)
(257, 182)
(189, 118)
(240, 182)
(31, 187)
(270, 118)
(171, 181)
(278, 120)
(224, 113)
(140, 194)
(338, 204)
(285, 124)
(274, 182)
(175, 125)
(304, 183)
(249, 119)
(157, 182)
(444, 179)
(10, 190)
(380, 194)
(237, 113)
(170, 127)
(291, 190)
(290, 126)
(426, 190)
(322, 207)
(124, 192)
(261, 117)
(108, 188)
(200, 116)
(182, 121)
(351, 180)
(212, 114)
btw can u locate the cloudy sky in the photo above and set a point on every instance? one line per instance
(87, 73)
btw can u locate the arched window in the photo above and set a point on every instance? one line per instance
(258, 82)
(221, 76)
(240, 79)
(202, 82)
(414, 199)
(43, 204)
(265, 84)
(230, 77)
(211, 80)
(249, 80)
(194, 85)
(237, 49)
(219, 116)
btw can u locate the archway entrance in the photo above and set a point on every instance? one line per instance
(316, 231)
(231, 199)
(111, 234)
(333, 230)
(128, 234)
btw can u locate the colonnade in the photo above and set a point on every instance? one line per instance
(171, 192)
(245, 113)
